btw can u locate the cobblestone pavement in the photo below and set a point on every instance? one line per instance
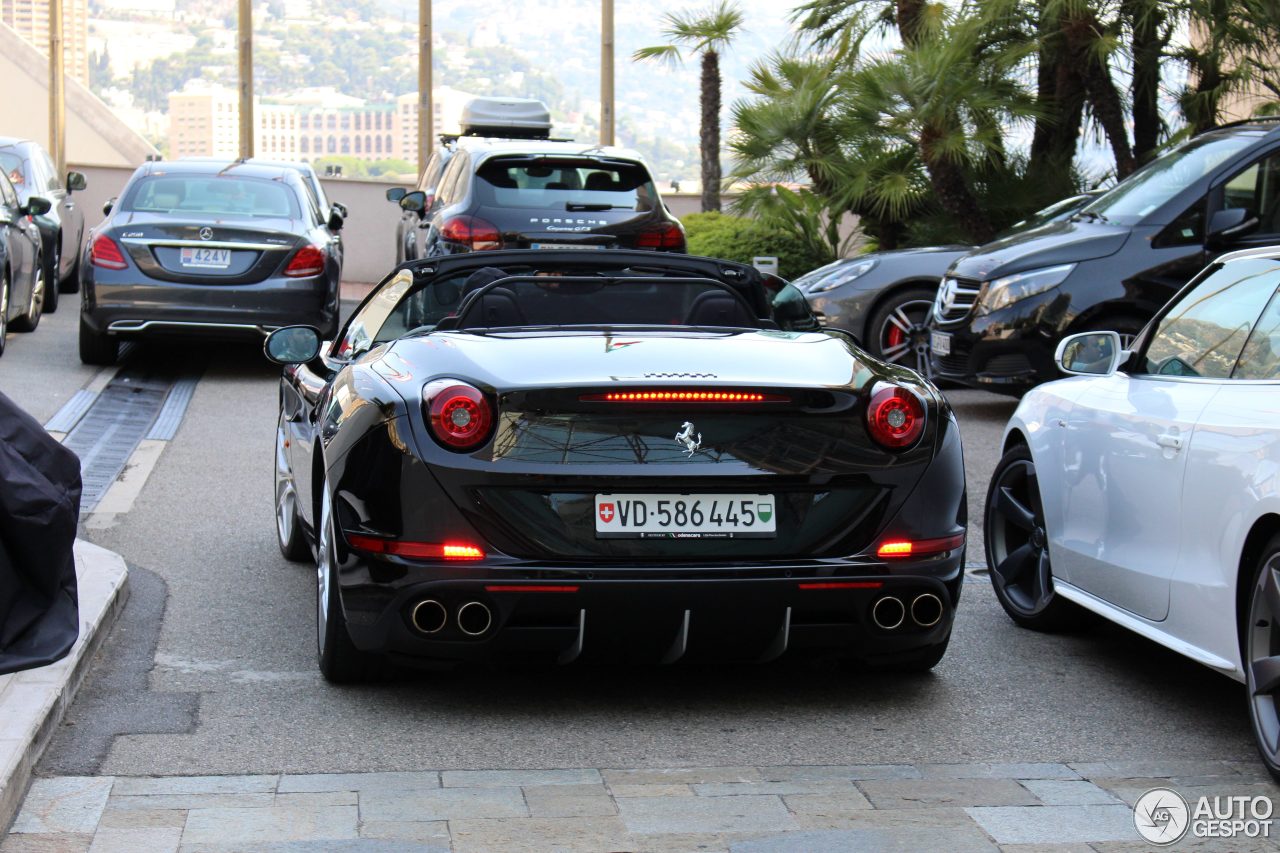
(898, 807)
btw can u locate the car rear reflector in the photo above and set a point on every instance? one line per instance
(416, 550)
(309, 260)
(901, 549)
(528, 588)
(655, 396)
(105, 253)
(842, 585)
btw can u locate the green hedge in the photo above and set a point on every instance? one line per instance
(736, 238)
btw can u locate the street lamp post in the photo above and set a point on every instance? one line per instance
(606, 72)
(426, 107)
(57, 90)
(245, 26)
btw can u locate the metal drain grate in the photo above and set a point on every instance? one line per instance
(110, 430)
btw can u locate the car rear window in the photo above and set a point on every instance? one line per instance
(565, 184)
(211, 194)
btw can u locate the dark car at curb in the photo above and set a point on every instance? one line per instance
(567, 456)
(884, 299)
(1002, 309)
(22, 281)
(542, 194)
(220, 250)
(32, 171)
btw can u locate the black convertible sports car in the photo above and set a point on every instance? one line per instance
(555, 455)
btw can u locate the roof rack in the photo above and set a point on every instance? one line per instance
(1244, 121)
(498, 133)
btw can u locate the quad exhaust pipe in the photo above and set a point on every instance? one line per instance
(429, 616)
(474, 618)
(890, 612)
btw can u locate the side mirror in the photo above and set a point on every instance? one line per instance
(107, 206)
(75, 181)
(292, 345)
(37, 205)
(1230, 224)
(336, 220)
(415, 201)
(395, 194)
(1090, 354)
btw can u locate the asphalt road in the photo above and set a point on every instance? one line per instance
(211, 669)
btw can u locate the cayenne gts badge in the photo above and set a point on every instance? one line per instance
(685, 437)
(206, 233)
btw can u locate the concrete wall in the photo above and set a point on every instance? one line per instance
(94, 133)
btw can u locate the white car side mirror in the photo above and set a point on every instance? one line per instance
(1090, 354)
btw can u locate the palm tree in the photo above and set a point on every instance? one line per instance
(791, 129)
(706, 33)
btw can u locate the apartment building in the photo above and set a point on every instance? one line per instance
(30, 19)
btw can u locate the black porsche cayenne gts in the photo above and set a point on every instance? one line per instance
(215, 249)
(558, 455)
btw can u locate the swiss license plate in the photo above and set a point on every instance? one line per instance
(728, 516)
(202, 258)
(568, 246)
(940, 343)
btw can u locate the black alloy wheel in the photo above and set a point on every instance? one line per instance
(1017, 544)
(29, 319)
(1260, 643)
(340, 661)
(289, 534)
(899, 330)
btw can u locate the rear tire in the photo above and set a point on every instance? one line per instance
(72, 282)
(29, 319)
(51, 283)
(340, 661)
(1017, 548)
(96, 347)
(4, 309)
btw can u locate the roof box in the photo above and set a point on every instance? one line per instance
(513, 118)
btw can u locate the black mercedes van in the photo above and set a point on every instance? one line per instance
(1001, 309)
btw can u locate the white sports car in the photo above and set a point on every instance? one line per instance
(1147, 487)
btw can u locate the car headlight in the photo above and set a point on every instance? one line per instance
(1003, 292)
(843, 275)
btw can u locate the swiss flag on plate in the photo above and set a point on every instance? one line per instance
(606, 512)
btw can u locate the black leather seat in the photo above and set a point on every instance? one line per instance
(719, 308)
(496, 308)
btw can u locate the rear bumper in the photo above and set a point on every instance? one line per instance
(132, 306)
(578, 616)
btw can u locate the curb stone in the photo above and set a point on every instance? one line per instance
(33, 702)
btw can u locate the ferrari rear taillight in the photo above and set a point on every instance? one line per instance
(689, 396)
(895, 416)
(415, 550)
(307, 261)
(459, 415)
(104, 252)
(669, 237)
(471, 231)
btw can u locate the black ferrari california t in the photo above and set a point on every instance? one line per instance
(563, 455)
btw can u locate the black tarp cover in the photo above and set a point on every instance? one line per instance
(39, 509)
